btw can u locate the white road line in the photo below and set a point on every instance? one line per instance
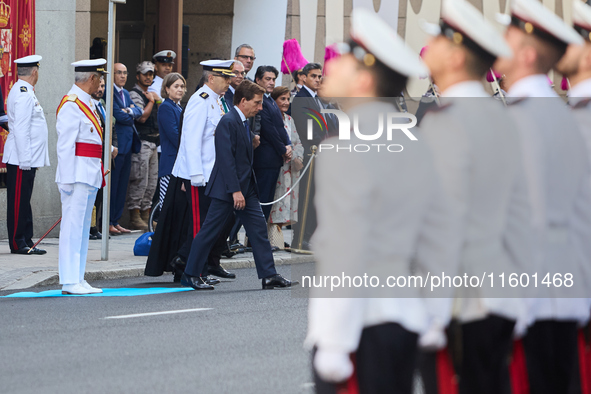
(157, 313)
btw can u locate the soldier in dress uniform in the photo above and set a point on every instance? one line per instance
(196, 155)
(557, 171)
(576, 66)
(163, 61)
(79, 172)
(25, 151)
(487, 187)
(377, 221)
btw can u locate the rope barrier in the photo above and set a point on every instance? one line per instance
(294, 185)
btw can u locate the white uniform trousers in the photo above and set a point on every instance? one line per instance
(74, 230)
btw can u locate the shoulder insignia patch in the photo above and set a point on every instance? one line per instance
(204, 95)
(72, 97)
(23, 89)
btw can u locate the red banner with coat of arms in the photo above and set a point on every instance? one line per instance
(17, 39)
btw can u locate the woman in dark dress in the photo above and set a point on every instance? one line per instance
(172, 224)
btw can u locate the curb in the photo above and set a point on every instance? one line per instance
(50, 278)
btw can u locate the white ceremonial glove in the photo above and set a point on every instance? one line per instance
(25, 168)
(520, 328)
(333, 366)
(197, 180)
(434, 338)
(67, 188)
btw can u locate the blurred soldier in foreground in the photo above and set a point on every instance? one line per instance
(377, 211)
(488, 188)
(557, 171)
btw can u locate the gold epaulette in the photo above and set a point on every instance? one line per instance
(72, 97)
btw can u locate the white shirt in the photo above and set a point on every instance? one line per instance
(74, 126)
(580, 90)
(313, 93)
(196, 155)
(465, 89)
(242, 117)
(532, 86)
(26, 144)
(156, 86)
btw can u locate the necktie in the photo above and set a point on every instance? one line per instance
(122, 97)
(247, 128)
(224, 104)
(102, 110)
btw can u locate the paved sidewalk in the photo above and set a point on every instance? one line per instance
(21, 272)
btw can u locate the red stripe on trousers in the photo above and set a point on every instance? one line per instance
(518, 370)
(584, 363)
(17, 204)
(446, 376)
(196, 213)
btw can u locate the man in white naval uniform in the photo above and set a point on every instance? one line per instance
(79, 172)
(196, 155)
(487, 185)
(25, 150)
(557, 173)
(163, 61)
(378, 213)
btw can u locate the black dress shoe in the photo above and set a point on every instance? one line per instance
(195, 282)
(99, 235)
(221, 272)
(92, 237)
(178, 264)
(177, 277)
(228, 253)
(276, 281)
(37, 251)
(211, 281)
(21, 250)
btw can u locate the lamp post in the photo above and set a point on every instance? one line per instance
(108, 127)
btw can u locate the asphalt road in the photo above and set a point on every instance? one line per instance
(249, 342)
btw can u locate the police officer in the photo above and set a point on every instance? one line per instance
(79, 172)
(196, 155)
(163, 61)
(25, 151)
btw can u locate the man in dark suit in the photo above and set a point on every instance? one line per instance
(124, 112)
(307, 98)
(275, 147)
(232, 187)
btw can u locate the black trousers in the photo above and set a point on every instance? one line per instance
(19, 216)
(198, 207)
(551, 355)
(480, 351)
(220, 212)
(384, 362)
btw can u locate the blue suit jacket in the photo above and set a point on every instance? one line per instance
(169, 118)
(274, 138)
(124, 122)
(233, 170)
(229, 97)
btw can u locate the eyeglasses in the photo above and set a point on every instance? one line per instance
(121, 72)
(240, 73)
(247, 57)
